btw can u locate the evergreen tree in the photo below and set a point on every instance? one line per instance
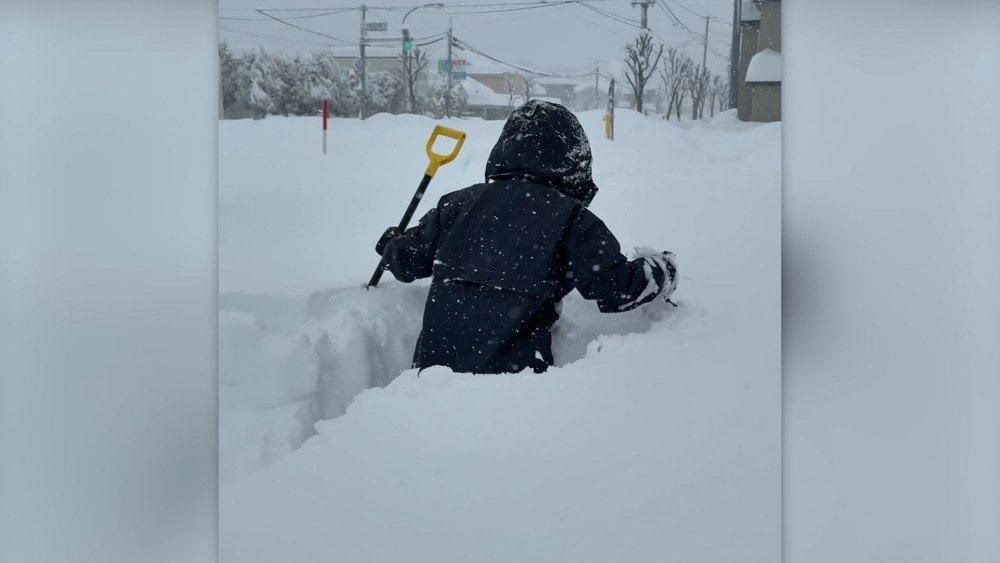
(435, 100)
(229, 70)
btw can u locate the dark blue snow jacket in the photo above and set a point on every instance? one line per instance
(503, 253)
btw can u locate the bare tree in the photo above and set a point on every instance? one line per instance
(714, 91)
(412, 63)
(512, 87)
(697, 85)
(674, 74)
(639, 58)
(529, 83)
(723, 95)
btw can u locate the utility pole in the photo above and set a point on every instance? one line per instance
(644, 4)
(364, 84)
(704, 51)
(447, 93)
(597, 86)
(734, 56)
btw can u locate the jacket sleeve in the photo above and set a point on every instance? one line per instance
(601, 272)
(410, 256)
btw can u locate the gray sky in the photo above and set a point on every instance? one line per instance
(550, 38)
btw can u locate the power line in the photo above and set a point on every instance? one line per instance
(307, 30)
(466, 47)
(689, 10)
(517, 9)
(404, 8)
(291, 17)
(677, 21)
(439, 39)
(581, 18)
(611, 15)
(274, 38)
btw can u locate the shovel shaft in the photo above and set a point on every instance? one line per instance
(403, 223)
(435, 161)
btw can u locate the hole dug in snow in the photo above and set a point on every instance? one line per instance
(277, 384)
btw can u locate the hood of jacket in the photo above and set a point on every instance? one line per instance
(544, 143)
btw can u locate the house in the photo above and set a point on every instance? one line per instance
(376, 58)
(553, 87)
(759, 63)
(493, 89)
(764, 79)
(484, 102)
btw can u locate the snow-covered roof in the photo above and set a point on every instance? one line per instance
(765, 66)
(749, 11)
(477, 64)
(482, 95)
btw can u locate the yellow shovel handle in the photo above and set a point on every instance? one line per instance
(439, 160)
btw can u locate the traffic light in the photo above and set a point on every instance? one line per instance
(407, 42)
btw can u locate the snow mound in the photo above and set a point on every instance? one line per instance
(765, 66)
(594, 461)
(276, 385)
(656, 437)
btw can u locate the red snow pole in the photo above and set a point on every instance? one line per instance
(325, 114)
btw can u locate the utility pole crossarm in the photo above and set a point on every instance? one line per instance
(644, 4)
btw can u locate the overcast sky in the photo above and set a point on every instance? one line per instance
(549, 38)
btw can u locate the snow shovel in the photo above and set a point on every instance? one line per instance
(436, 161)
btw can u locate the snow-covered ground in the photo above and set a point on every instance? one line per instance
(656, 439)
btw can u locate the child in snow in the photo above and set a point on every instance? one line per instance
(505, 252)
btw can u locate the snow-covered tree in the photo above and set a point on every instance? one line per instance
(344, 100)
(386, 92)
(229, 70)
(435, 101)
(642, 58)
(260, 83)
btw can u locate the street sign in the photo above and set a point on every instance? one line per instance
(458, 75)
(443, 65)
(376, 26)
(459, 62)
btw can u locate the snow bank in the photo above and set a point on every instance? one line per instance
(657, 438)
(605, 459)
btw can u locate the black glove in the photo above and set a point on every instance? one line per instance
(388, 235)
(667, 262)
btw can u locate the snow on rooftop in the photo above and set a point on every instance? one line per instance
(765, 66)
(749, 11)
(482, 95)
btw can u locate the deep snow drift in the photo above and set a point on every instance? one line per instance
(657, 438)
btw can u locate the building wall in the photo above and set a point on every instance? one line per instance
(748, 48)
(498, 82)
(770, 26)
(766, 104)
(562, 91)
(372, 64)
